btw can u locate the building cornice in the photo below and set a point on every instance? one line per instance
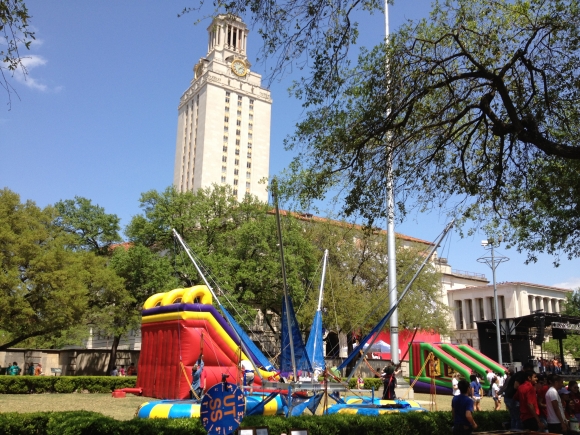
(221, 80)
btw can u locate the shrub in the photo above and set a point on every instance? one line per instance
(63, 384)
(90, 423)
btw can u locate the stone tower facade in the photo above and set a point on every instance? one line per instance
(223, 127)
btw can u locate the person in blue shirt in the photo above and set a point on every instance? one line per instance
(475, 391)
(196, 372)
(462, 410)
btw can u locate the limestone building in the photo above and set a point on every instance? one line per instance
(223, 127)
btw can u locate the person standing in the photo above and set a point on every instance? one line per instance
(462, 410)
(38, 370)
(389, 384)
(196, 372)
(30, 369)
(574, 401)
(495, 393)
(131, 370)
(475, 391)
(489, 375)
(529, 410)
(557, 422)
(455, 384)
(541, 390)
(13, 370)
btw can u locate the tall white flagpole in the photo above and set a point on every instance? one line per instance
(391, 248)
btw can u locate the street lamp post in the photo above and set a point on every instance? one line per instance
(493, 261)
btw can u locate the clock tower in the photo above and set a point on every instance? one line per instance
(223, 126)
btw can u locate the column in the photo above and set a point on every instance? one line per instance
(464, 308)
(547, 305)
(532, 304)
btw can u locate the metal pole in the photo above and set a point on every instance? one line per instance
(391, 247)
(284, 281)
(497, 331)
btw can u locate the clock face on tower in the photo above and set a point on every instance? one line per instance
(239, 68)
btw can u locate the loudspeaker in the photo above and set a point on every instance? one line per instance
(558, 333)
(540, 327)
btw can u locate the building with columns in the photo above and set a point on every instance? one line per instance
(223, 124)
(470, 297)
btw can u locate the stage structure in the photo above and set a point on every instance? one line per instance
(520, 334)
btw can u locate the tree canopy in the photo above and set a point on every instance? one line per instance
(477, 106)
(45, 286)
(15, 35)
(237, 244)
(356, 287)
(235, 241)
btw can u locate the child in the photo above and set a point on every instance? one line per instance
(495, 393)
(360, 382)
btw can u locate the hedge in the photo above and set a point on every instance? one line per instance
(90, 423)
(97, 384)
(63, 384)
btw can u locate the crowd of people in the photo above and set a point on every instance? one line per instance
(30, 369)
(549, 365)
(536, 402)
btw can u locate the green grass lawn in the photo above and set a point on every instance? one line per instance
(125, 408)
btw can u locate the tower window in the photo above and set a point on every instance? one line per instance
(227, 108)
(225, 129)
(225, 148)
(224, 159)
(225, 137)
(239, 98)
(237, 151)
(249, 155)
(223, 179)
(248, 175)
(235, 191)
(227, 93)
(238, 132)
(247, 185)
(236, 171)
(236, 162)
(239, 104)
(235, 181)
(249, 145)
(226, 119)
(249, 165)
(250, 126)
(237, 142)
(239, 122)
(251, 116)
(227, 100)
(224, 169)
(249, 135)
(239, 112)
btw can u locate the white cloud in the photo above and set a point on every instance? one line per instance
(572, 283)
(29, 63)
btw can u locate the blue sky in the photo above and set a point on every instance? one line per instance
(97, 114)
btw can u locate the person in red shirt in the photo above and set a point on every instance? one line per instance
(541, 390)
(529, 410)
(574, 402)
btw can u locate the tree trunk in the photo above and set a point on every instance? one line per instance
(113, 357)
